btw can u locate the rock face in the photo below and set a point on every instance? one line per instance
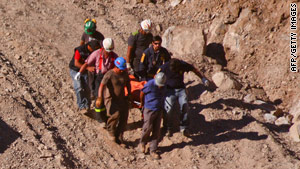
(295, 111)
(183, 41)
(233, 38)
(295, 132)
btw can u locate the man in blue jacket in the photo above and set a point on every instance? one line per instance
(152, 59)
(152, 102)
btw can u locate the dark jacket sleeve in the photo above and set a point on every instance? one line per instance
(167, 56)
(144, 64)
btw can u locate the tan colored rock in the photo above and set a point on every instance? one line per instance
(249, 98)
(224, 82)
(174, 3)
(158, 28)
(295, 112)
(294, 132)
(182, 41)
(282, 121)
(233, 38)
(270, 118)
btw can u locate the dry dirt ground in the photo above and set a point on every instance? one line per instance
(39, 124)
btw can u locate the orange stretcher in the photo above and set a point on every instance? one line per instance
(136, 87)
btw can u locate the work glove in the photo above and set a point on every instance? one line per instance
(129, 69)
(205, 82)
(77, 76)
(99, 102)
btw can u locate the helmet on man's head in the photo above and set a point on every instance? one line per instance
(146, 25)
(160, 79)
(108, 44)
(90, 27)
(120, 62)
(88, 19)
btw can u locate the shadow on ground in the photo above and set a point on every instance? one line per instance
(7, 136)
(221, 130)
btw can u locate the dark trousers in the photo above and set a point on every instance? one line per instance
(152, 121)
(102, 109)
(98, 79)
(91, 79)
(117, 112)
(135, 67)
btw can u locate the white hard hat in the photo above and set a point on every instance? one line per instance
(108, 44)
(146, 25)
(160, 79)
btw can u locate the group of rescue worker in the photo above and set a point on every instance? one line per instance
(99, 74)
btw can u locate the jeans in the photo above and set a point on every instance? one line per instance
(81, 89)
(173, 95)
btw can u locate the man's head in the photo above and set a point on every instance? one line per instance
(156, 43)
(108, 44)
(93, 45)
(120, 64)
(146, 26)
(160, 79)
(175, 65)
(90, 26)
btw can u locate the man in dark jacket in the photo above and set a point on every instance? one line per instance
(80, 81)
(152, 59)
(175, 91)
(137, 42)
(90, 33)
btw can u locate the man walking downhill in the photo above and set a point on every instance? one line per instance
(112, 91)
(152, 100)
(90, 33)
(80, 83)
(176, 91)
(152, 59)
(137, 42)
(103, 60)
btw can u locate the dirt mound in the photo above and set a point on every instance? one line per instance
(247, 41)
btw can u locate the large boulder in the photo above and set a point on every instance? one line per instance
(225, 82)
(182, 41)
(295, 132)
(295, 111)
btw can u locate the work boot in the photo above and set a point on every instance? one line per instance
(142, 148)
(186, 132)
(155, 155)
(120, 140)
(169, 133)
